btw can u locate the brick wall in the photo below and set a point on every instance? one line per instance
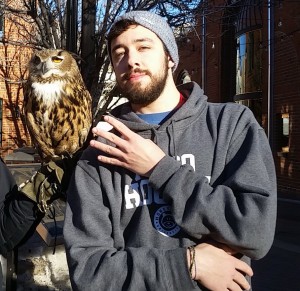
(286, 83)
(287, 96)
(14, 55)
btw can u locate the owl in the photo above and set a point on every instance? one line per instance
(57, 105)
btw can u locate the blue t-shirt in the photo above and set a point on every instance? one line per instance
(154, 118)
(159, 118)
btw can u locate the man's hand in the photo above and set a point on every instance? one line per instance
(222, 246)
(131, 151)
(219, 271)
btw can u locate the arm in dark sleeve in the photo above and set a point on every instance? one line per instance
(239, 208)
(7, 181)
(18, 214)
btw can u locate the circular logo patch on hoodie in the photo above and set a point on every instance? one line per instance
(164, 221)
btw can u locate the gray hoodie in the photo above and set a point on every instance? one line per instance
(217, 181)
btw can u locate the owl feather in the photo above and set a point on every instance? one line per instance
(57, 104)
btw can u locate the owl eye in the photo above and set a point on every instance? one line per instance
(56, 60)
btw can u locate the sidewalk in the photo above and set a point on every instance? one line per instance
(279, 270)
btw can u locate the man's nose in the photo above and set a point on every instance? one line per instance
(133, 59)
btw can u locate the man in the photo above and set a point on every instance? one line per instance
(181, 189)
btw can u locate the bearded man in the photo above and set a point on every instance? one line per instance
(174, 199)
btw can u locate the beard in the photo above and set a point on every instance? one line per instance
(137, 94)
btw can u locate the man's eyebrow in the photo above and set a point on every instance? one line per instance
(144, 39)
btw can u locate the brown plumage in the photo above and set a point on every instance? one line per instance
(57, 104)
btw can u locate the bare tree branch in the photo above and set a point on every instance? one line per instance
(48, 30)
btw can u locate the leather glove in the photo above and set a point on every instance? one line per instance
(50, 182)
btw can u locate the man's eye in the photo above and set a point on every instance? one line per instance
(143, 48)
(119, 54)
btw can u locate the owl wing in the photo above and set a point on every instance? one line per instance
(73, 120)
(35, 124)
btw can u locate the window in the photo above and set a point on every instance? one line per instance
(249, 63)
(284, 136)
(249, 54)
(249, 72)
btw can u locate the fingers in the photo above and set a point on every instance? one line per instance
(108, 136)
(239, 282)
(129, 151)
(218, 270)
(119, 126)
(114, 155)
(120, 143)
(111, 151)
(116, 144)
(235, 287)
(244, 268)
(112, 161)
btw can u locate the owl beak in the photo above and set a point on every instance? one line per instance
(44, 68)
(48, 69)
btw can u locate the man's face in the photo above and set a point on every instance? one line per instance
(141, 64)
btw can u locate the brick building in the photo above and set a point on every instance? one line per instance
(244, 51)
(14, 55)
(248, 51)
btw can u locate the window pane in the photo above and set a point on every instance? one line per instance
(286, 126)
(249, 62)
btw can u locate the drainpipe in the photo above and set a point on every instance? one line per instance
(271, 5)
(72, 18)
(203, 49)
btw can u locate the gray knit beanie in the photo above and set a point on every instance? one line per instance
(159, 26)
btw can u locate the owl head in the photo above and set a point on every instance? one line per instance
(52, 63)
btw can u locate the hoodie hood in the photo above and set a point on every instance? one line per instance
(195, 104)
(182, 118)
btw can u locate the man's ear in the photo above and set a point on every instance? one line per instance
(171, 64)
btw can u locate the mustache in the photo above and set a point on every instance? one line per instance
(127, 75)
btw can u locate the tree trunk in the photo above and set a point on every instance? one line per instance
(88, 41)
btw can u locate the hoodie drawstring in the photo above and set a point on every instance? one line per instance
(172, 144)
